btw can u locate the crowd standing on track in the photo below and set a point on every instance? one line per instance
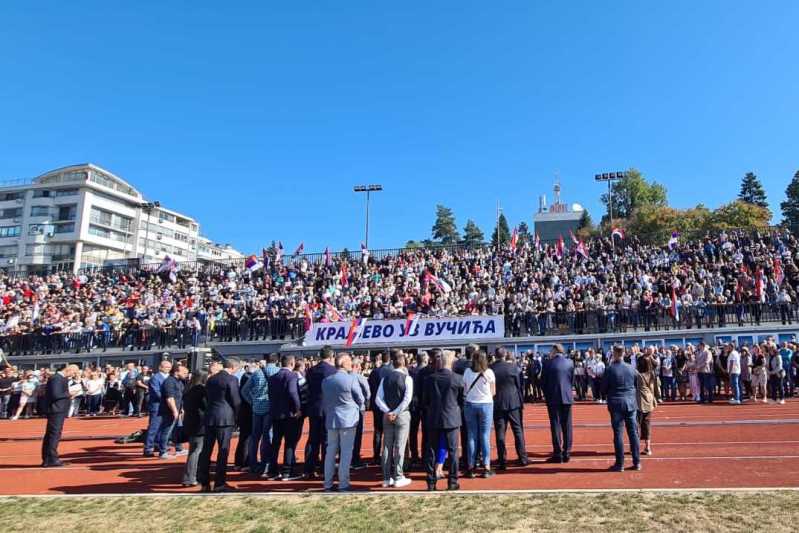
(730, 278)
(430, 406)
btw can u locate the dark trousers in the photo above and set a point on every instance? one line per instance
(377, 435)
(284, 429)
(619, 420)
(52, 436)
(317, 443)
(240, 456)
(413, 437)
(706, 384)
(451, 438)
(356, 447)
(560, 426)
(214, 436)
(501, 421)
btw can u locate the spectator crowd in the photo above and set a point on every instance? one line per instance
(729, 279)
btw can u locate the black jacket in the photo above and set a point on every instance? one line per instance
(442, 397)
(375, 377)
(284, 394)
(315, 376)
(195, 404)
(57, 394)
(222, 390)
(510, 392)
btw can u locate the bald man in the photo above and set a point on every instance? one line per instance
(58, 399)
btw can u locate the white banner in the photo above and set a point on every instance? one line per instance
(393, 332)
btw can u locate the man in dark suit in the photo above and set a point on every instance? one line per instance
(419, 373)
(508, 405)
(284, 406)
(618, 386)
(317, 434)
(442, 398)
(557, 381)
(375, 377)
(222, 390)
(58, 401)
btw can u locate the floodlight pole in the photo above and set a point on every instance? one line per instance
(368, 189)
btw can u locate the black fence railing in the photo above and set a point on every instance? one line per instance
(623, 321)
(142, 338)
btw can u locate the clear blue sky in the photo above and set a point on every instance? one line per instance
(258, 118)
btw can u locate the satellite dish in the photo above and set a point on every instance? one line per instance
(577, 207)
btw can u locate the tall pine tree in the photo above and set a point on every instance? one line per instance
(503, 230)
(790, 207)
(445, 229)
(472, 235)
(752, 191)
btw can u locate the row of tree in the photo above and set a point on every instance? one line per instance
(641, 207)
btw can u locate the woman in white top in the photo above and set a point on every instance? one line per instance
(94, 392)
(480, 387)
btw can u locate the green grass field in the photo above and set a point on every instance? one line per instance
(584, 512)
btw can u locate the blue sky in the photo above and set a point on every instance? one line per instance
(257, 118)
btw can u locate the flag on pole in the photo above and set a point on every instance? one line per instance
(573, 238)
(299, 250)
(344, 274)
(279, 253)
(580, 249)
(252, 264)
(333, 314)
(514, 240)
(308, 317)
(265, 258)
(410, 323)
(617, 232)
(537, 242)
(674, 241)
(364, 253)
(779, 275)
(11, 323)
(328, 258)
(35, 313)
(675, 312)
(170, 267)
(442, 285)
(356, 328)
(559, 247)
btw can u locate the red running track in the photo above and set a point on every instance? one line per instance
(695, 446)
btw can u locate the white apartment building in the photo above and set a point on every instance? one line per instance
(83, 216)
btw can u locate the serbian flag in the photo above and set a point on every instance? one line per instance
(410, 323)
(759, 283)
(559, 247)
(299, 250)
(265, 260)
(170, 267)
(344, 274)
(514, 240)
(356, 328)
(674, 241)
(617, 232)
(364, 253)
(308, 317)
(252, 264)
(537, 242)
(442, 285)
(279, 252)
(580, 249)
(573, 238)
(675, 312)
(328, 258)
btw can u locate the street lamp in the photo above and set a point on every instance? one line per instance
(610, 177)
(368, 189)
(148, 208)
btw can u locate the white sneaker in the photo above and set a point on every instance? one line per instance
(402, 482)
(387, 484)
(14, 418)
(782, 402)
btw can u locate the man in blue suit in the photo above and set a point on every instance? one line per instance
(557, 382)
(618, 386)
(284, 405)
(342, 401)
(317, 434)
(154, 422)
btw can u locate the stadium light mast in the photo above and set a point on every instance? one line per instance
(610, 177)
(368, 189)
(148, 208)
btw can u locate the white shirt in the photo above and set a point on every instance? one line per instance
(481, 391)
(406, 398)
(734, 362)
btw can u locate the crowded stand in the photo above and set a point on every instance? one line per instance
(734, 278)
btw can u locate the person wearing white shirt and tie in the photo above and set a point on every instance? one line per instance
(394, 396)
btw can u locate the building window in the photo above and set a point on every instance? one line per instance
(66, 192)
(10, 196)
(9, 231)
(67, 212)
(41, 193)
(8, 251)
(64, 228)
(40, 211)
(11, 212)
(40, 229)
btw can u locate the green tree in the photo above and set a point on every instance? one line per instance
(412, 244)
(632, 192)
(752, 191)
(504, 231)
(790, 207)
(445, 229)
(585, 221)
(524, 233)
(740, 214)
(472, 235)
